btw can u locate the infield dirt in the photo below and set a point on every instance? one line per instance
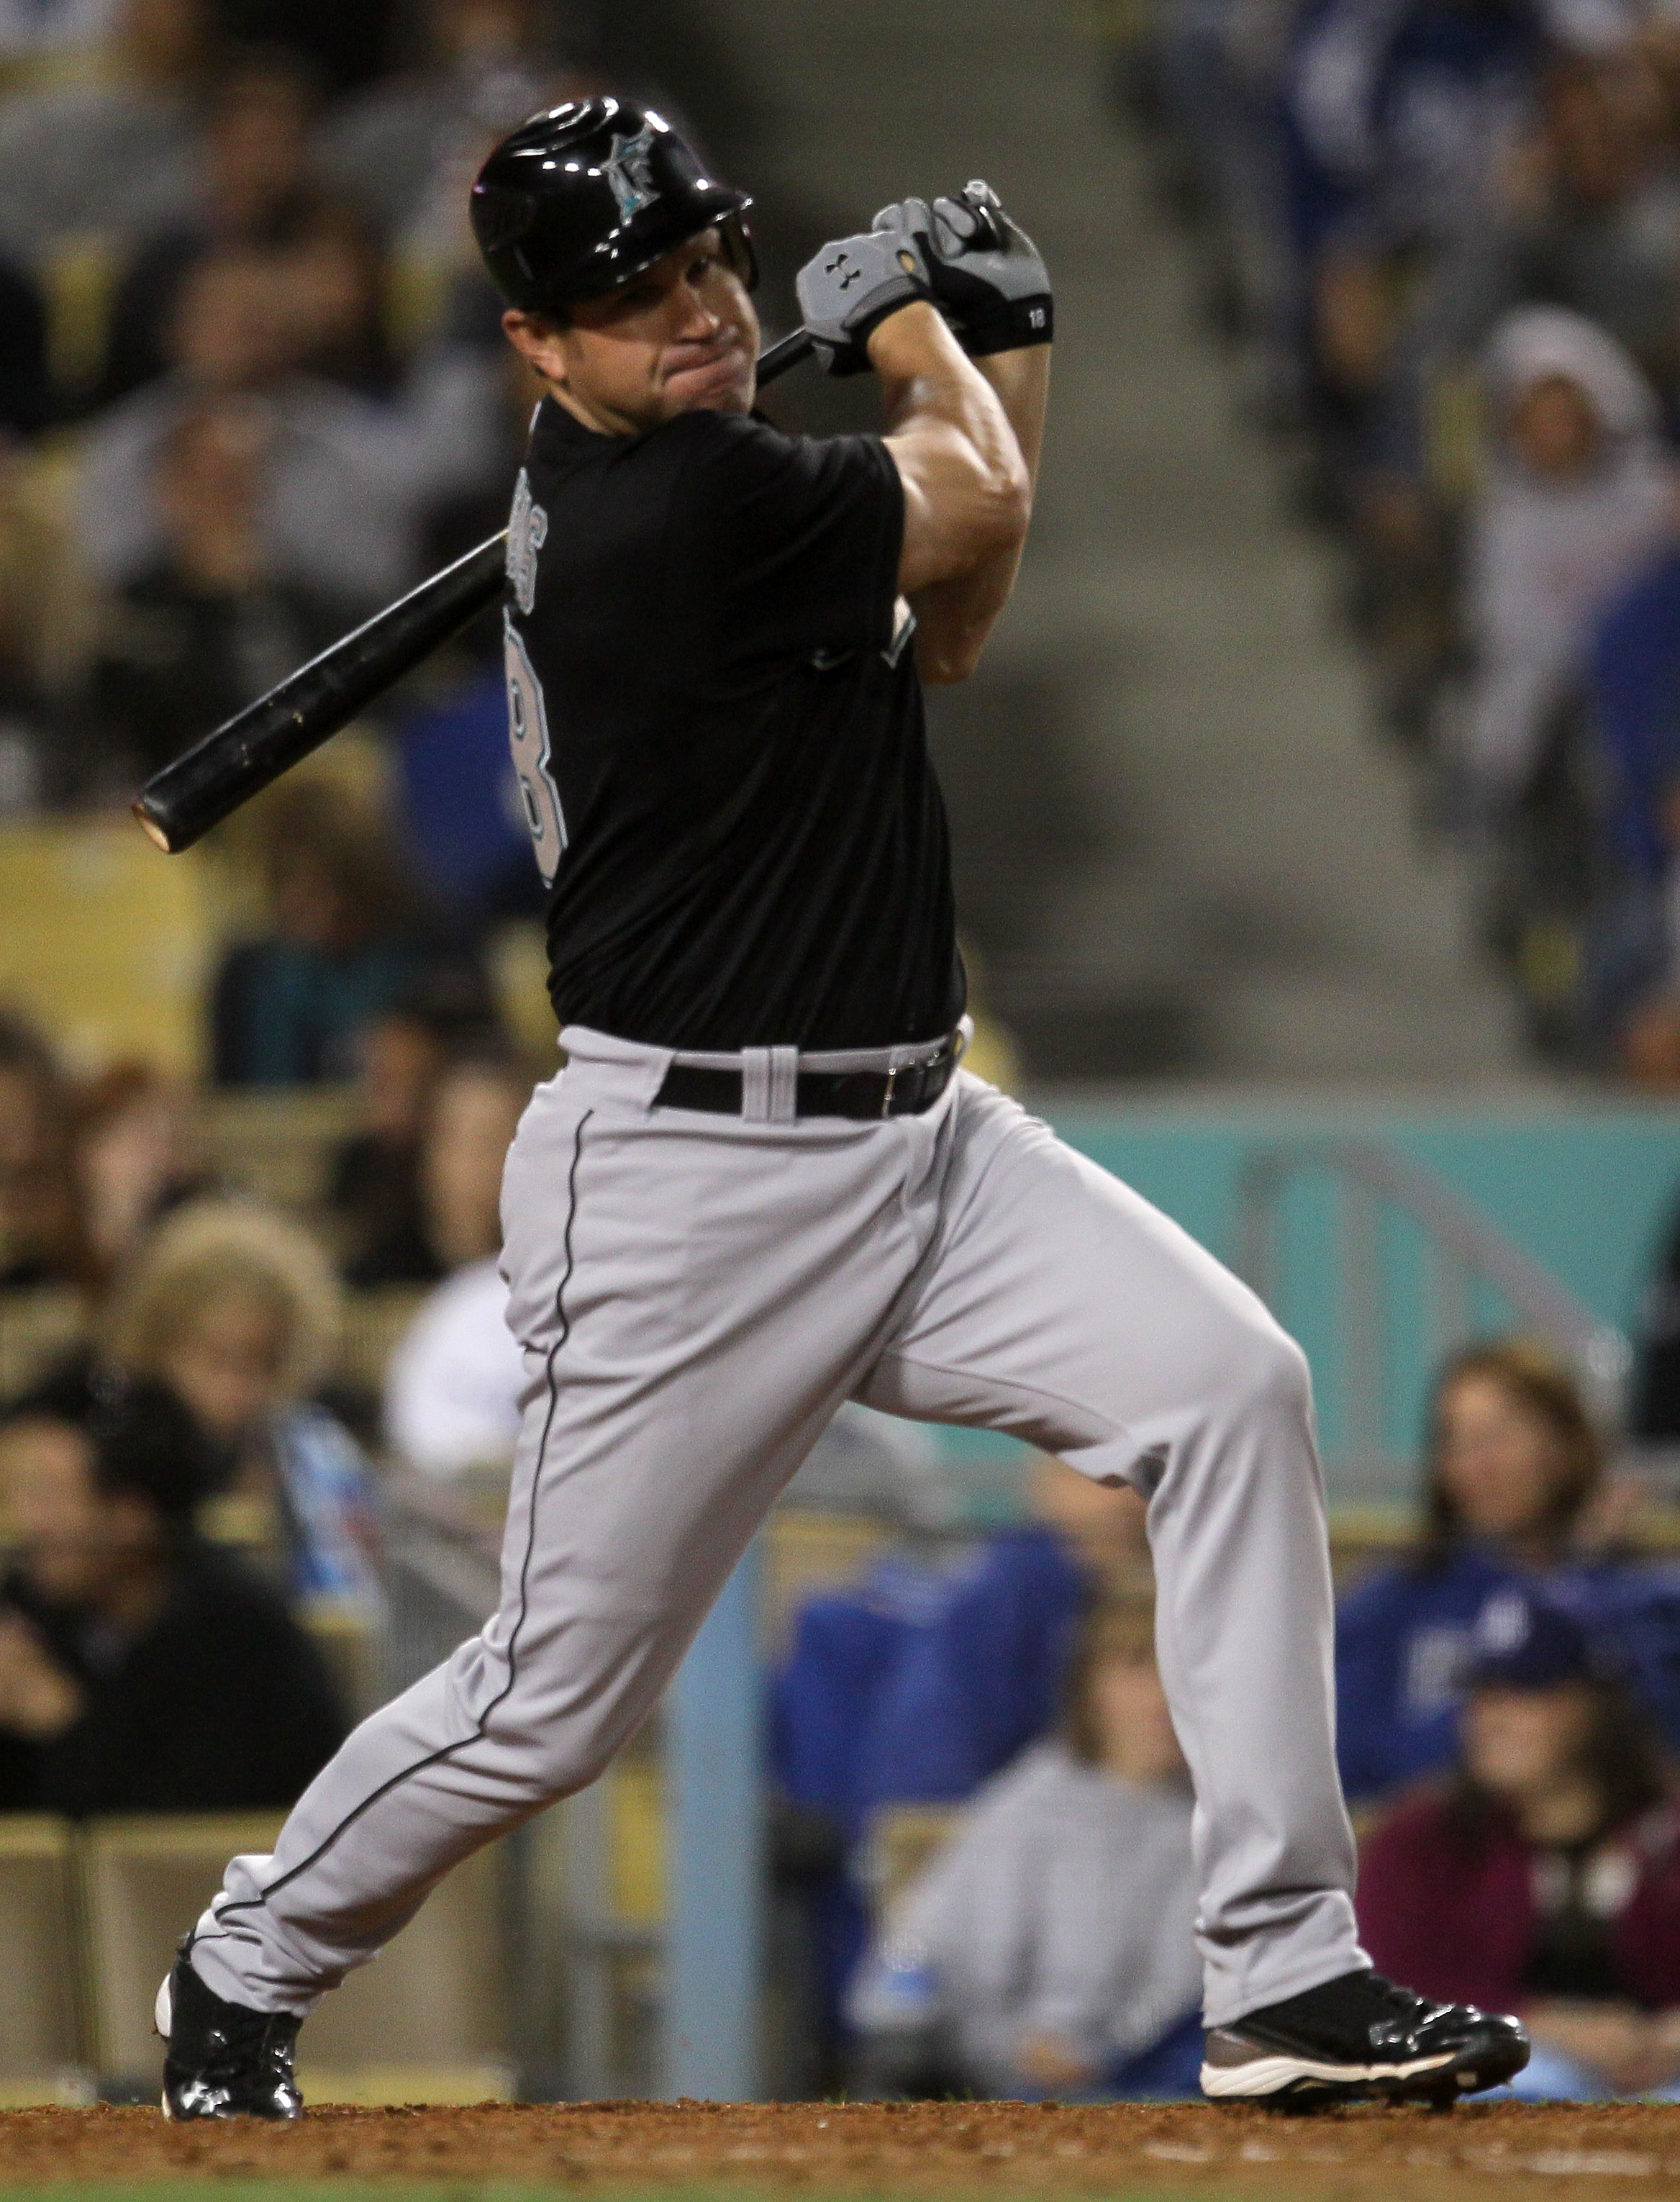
(1370, 2152)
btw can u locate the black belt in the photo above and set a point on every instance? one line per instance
(905, 1092)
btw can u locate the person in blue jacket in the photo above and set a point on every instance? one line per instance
(1515, 1493)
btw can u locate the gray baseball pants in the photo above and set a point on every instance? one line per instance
(696, 1295)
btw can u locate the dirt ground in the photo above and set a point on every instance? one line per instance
(1363, 2154)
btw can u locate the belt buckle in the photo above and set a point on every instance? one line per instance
(887, 1092)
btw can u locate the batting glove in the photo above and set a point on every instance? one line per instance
(987, 277)
(852, 286)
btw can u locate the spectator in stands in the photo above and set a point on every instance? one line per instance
(259, 194)
(237, 1310)
(408, 136)
(140, 1670)
(1048, 1950)
(1395, 120)
(113, 156)
(1580, 495)
(137, 1154)
(44, 38)
(43, 1240)
(978, 1685)
(1544, 1875)
(921, 1681)
(347, 935)
(209, 623)
(1630, 987)
(343, 480)
(374, 1189)
(452, 1392)
(1586, 216)
(1516, 1495)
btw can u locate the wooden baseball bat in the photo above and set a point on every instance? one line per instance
(178, 805)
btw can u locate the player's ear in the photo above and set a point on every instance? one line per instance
(537, 338)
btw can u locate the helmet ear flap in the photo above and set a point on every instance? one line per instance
(739, 252)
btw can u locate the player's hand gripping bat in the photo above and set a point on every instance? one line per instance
(179, 804)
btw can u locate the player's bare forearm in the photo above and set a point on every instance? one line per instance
(954, 618)
(1022, 381)
(968, 492)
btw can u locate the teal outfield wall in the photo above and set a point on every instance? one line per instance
(1585, 1189)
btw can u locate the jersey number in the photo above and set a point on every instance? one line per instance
(533, 760)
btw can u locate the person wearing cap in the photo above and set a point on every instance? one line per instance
(1542, 1873)
(1517, 1494)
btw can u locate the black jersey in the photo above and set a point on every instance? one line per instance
(717, 731)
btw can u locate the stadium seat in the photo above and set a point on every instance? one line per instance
(278, 1144)
(105, 943)
(901, 1839)
(40, 2032)
(353, 1650)
(373, 1322)
(37, 1327)
(79, 280)
(427, 2021)
(809, 1550)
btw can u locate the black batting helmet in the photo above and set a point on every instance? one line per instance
(578, 199)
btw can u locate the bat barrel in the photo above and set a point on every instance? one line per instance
(181, 804)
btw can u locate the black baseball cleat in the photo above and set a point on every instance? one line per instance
(1361, 2036)
(223, 2061)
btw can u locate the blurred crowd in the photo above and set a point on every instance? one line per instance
(982, 1826)
(1005, 1902)
(251, 384)
(252, 381)
(195, 1484)
(1442, 237)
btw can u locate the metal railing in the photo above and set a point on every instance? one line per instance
(1461, 1277)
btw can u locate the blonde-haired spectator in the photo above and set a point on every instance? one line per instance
(236, 1308)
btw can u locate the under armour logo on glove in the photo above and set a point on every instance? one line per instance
(853, 283)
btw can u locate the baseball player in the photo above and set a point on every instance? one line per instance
(762, 1185)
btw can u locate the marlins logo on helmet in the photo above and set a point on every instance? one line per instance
(629, 169)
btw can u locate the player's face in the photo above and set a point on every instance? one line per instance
(680, 338)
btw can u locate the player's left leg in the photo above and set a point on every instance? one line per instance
(696, 1295)
(1057, 1305)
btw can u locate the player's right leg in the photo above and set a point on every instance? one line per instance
(1059, 1305)
(695, 1296)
